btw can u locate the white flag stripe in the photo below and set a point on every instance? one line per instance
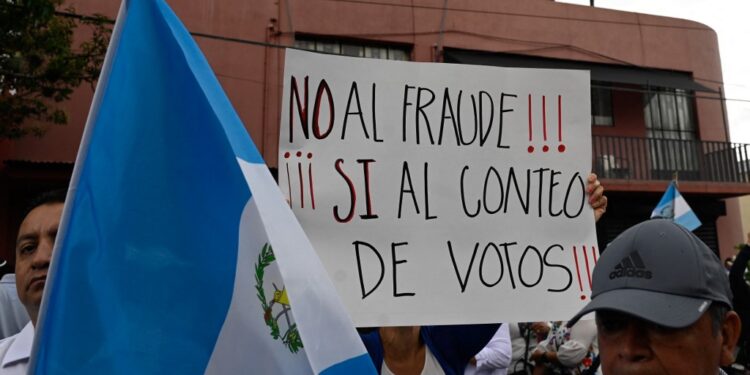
(323, 323)
(680, 206)
(245, 345)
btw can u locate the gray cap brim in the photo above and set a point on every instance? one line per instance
(667, 310)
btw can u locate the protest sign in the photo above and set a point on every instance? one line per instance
(441, 193)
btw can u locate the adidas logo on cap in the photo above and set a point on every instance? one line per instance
(631, 266)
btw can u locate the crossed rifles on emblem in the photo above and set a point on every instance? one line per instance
(280, 297)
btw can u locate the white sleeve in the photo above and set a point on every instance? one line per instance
(582, 335)
(543, 345)
(497, 353)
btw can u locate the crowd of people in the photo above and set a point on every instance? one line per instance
(674, 316)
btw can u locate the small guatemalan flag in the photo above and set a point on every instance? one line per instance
(673, 206)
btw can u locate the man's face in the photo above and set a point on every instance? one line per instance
(36, 236)
(629, 345)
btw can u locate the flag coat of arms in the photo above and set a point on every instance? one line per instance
(673, 206)
(177, 253)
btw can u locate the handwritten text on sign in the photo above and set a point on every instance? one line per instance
(440, 193)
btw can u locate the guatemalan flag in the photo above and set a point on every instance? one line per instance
(177, 254)
(673, 206)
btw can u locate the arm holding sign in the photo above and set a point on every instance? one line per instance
(404, 348)
(597, 199)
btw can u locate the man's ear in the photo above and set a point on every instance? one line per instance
(730, 333)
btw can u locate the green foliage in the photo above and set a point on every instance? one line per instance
(292, 340)
(265, 258)
(39, 64)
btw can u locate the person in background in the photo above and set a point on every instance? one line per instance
(13, 316)
(36, 238)
(524, 338)
(663, 304)
(494, 358)
(741, 298)
(426, 350)
(566, 350)
(728, 262)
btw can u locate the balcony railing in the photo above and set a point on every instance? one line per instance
(633, 158)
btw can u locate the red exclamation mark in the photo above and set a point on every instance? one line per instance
(561, 146)
(578, 272)
(301, 181)
(288, 178)
(310, 176)
(545, 148)
(593, 252)
(588, 271)
(531, 129)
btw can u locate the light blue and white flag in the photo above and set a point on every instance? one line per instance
(673, 206)
(177, 253)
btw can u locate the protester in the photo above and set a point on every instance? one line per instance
(662, 303)
(34, 243)
(524, 338)
(427, 349)
(728, 262)
(741, 299)
(566, 350)
(494, 358)
(13, 316)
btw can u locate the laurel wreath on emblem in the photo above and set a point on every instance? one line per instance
(290, 338)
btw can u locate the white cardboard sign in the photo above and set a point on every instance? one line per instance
(441, 193)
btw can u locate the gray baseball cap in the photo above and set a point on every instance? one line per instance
(660, 272)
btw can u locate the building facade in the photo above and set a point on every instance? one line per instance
(657, 108)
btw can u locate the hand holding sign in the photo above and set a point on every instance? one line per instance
(597, 199)
(433, 191)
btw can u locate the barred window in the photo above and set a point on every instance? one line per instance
(669, 114)
(356, 50)
(671, 129)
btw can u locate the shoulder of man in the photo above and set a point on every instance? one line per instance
(5, 344)
(8, 278)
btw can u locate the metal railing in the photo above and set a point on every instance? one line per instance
(634, 158)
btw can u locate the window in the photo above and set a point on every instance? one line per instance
(669, 114)
(601, 104)
(356, 50)
(670, 127)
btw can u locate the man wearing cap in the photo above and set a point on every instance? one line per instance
(662, 303)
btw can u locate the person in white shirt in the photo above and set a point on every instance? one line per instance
(34, 243)
(13, 315)
(567, 350)
(495, 357)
